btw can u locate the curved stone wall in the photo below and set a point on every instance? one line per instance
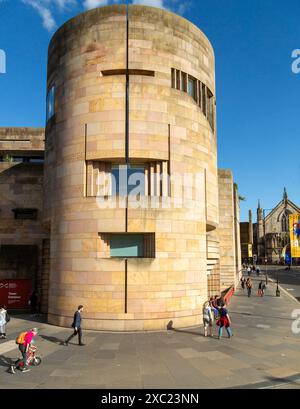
(171, 130)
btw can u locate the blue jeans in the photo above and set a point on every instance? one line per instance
(229, 332)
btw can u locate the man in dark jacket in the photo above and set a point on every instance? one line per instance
(77, 327)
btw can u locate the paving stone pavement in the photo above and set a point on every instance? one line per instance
(263, 353)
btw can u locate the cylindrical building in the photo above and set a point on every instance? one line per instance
(131, 90)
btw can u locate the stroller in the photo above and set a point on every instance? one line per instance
(32, 359)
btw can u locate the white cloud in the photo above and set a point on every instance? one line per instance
(48, 8)
(91, 4)
(65, 4)
(42, 8)
(153, 3)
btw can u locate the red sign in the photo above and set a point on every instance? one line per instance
(15, 294)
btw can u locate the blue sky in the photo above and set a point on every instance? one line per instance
(258, 95)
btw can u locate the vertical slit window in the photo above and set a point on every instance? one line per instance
(50, 104)
(173, 74)
(178, 76)
(183, 82)
(192, 90)
(204, 102)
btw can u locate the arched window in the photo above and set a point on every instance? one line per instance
(285, 221)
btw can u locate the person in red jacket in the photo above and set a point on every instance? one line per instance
(24, 351)
(224, 321)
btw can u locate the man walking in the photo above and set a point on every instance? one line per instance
(249, 287)
(24, 340)
(77, 327)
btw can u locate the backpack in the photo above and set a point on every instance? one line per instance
(21, 338)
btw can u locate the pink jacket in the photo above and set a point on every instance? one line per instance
(28, 338)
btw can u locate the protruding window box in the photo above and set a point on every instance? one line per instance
(127, 245)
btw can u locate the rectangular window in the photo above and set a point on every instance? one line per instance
(136, 180)
(211, 109)
(128, 180)
(183, 82)
(25, 214)
(200, 94)
(192, 88)
(173, 75)
(178, 76)
(127, 245)
(50, 104)
(204, 104)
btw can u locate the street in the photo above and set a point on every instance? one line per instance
(263, 353)
(288, 279)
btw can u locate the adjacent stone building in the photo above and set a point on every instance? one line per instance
(137, 224)
(246, 233)
(23, 239)
(271, 231)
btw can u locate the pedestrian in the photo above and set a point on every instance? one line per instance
(224, 321)
(253, 269)
(4, 319)
(249, 271)
(263, 289)
(77, 327)
(243, 280)
(33, 302)
(220, 302)
(249, 286)
(208, 318)
(257, 270)
(215, 306)
(259, 291)
(24, 340)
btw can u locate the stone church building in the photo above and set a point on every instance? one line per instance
(271, 231)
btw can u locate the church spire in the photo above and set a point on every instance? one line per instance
(258, 206)
(285, 196)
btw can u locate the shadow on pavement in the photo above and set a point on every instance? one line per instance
(6, 362)
(41, 318)
(187, 332)
(55, 340)
(288, 381)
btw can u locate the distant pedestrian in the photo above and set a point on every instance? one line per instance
(257, 270)
(33, 302)
(224, 321)
(77, 327)
(243, 282)
(263, 289)
(4, 319)
(259, 291)
(249, 271)
(208, 319)
(24, 340)
(249, 287)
